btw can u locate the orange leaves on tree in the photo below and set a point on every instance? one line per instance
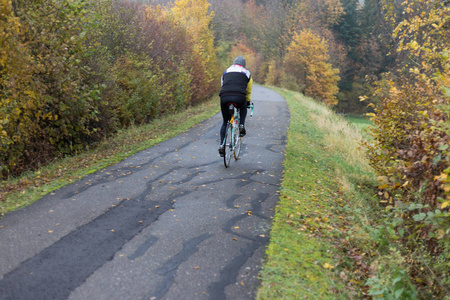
(195, 17)
(307, 60)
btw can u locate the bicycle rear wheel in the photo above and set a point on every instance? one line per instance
(228, 146)
(237, 148)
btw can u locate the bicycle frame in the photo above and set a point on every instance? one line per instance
(232, 141)
(235, 121)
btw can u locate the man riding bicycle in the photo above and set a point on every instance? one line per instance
(237, 86)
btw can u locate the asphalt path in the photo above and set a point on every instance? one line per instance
(170, 222)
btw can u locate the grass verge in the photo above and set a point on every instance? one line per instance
(324, 242)
(31, 186)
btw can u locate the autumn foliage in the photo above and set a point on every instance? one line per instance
(306, 60)
(287, 35)
(74, 71)
(411, 137)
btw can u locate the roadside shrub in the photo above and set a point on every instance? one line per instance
(408, 144)
(15, 86)
(48, 105)
(273, 77)
(349, 100)
(289, 82)
(411, 141)
(86, 68)
(195, 18)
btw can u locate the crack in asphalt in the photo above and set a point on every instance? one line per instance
(122, 171)
(228, 274)
(170, 267)
(140, 251)
(255, 211)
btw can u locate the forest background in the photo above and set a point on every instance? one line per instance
(73, 72)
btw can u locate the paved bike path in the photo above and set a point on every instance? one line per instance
(170, 222)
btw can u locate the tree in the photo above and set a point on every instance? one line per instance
(196, 18)
(307, 60)
(228, 19)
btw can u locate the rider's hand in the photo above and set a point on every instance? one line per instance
(248, 104)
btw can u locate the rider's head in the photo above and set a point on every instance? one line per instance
(239, 61)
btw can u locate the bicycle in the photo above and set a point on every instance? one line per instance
(232, 142)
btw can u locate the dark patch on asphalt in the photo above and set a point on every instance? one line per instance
(169, 268)
(143, 248)
(57, 270)
(228, 274)
(230, 201)
(256, 211)
(122, 172)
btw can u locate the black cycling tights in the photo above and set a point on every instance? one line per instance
(241, 103)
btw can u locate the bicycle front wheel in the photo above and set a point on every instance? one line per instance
(228, 146)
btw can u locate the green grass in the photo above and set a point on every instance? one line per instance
(325, 201)
(362, 123)
(31, 186)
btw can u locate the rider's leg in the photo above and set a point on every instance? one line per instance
(243, 112)
(243, 115)
(225, 116)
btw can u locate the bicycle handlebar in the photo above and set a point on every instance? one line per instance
(251, 107)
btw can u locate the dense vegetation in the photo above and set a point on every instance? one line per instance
(75, 71)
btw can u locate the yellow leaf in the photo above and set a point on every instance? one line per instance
(441, 177)
(328, 266)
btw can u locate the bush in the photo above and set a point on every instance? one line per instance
(408, 151)
(48, 105)
(87, 68)
(274, 74)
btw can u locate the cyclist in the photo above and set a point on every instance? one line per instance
(237, 86)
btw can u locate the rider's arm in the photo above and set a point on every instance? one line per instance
(249, 90)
